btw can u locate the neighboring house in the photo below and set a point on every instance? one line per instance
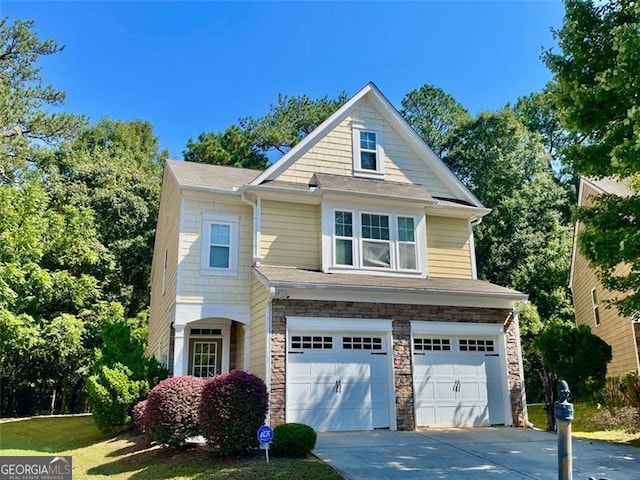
(344, 276)
(590, 297)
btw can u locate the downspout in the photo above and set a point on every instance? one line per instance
(271, 293)
(515, 314)
(255, 205)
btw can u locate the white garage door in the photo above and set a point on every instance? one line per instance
(338, 382)
(457, 381)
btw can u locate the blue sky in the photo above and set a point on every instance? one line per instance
(190, 67)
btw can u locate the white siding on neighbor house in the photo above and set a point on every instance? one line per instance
(193, 286)
(290, 234)
(448, 249)
(257, 359)
(333, 154)
(163, 301)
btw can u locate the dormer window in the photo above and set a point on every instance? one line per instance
(368, 158)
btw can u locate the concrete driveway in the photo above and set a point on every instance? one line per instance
(469, 454)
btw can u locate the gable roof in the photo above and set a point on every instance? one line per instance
(203, 176)
(394, 118)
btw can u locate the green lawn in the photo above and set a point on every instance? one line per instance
(127, 456)
(582, 427)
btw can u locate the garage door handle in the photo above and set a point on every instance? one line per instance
(378, 353)
(491, 354)
(338, 386)
(297, 353)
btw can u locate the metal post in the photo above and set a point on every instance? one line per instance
(564, 416)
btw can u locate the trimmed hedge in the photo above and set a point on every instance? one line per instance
(171, 414)
(137, 416)
(293, 439)
(233, 407)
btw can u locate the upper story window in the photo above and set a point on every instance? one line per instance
(378, 241)
(219, 245)
(368, 158)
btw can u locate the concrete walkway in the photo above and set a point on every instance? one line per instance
(470, 454)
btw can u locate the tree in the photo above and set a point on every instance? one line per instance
(26, 121)
(289, 121)
(598, 76)
(525, 242)
(232, 147)
(114, 168)
(434, 115)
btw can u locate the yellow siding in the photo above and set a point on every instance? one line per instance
(614, 329)
(333, 154)
(448, 249)
(290, 234)
(162, 302)
(257, 364)
(198, 288)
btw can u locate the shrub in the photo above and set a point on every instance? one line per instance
(293, 439)
(171, 414)
(623, 418)
(233, 407)
(111, 392)
(137, 416)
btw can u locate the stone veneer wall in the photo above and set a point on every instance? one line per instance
(401, 316)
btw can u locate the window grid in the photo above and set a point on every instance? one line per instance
(204, 359)
(206, 331)
(312, 342)
(362, 343)
(432, 344)
(344, 242)
(368, 151)
(476, 345)
(406, 243)
(219, 245)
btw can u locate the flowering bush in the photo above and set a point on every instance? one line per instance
(171, 413)
(233, 407)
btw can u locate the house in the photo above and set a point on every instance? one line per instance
(590, 297)
(344, 275)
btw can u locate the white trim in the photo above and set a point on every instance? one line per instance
(179, 350)
(422, 327)
(356, 129)
(419, 297)
(595, 307)
(225, 326)
(338, 324)
(472, 252)
(328, 239)
(233, 222)
(191, 312)
(635, 344)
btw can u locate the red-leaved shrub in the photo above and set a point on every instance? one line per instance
(233, 407)
(171, 414)
(137, 416)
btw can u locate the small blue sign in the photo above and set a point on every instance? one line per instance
(265, 434)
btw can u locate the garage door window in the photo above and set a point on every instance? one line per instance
(362, 343)
(312, 342)
(476, 345)
(431, 344)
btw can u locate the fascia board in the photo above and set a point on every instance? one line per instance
(456, 328)
(394, 117)
(190, 188)
(307, 142)
(283, 194)
(461, 211)
(404, 296)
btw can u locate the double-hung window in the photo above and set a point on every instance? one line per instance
(377, 241)
(219, 245)
(368, 158)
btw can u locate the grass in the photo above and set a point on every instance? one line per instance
(127, 456)
(582, 426)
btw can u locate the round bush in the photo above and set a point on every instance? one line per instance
(293, 439)
(137, 416)
(233, 407)
(171, 414)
